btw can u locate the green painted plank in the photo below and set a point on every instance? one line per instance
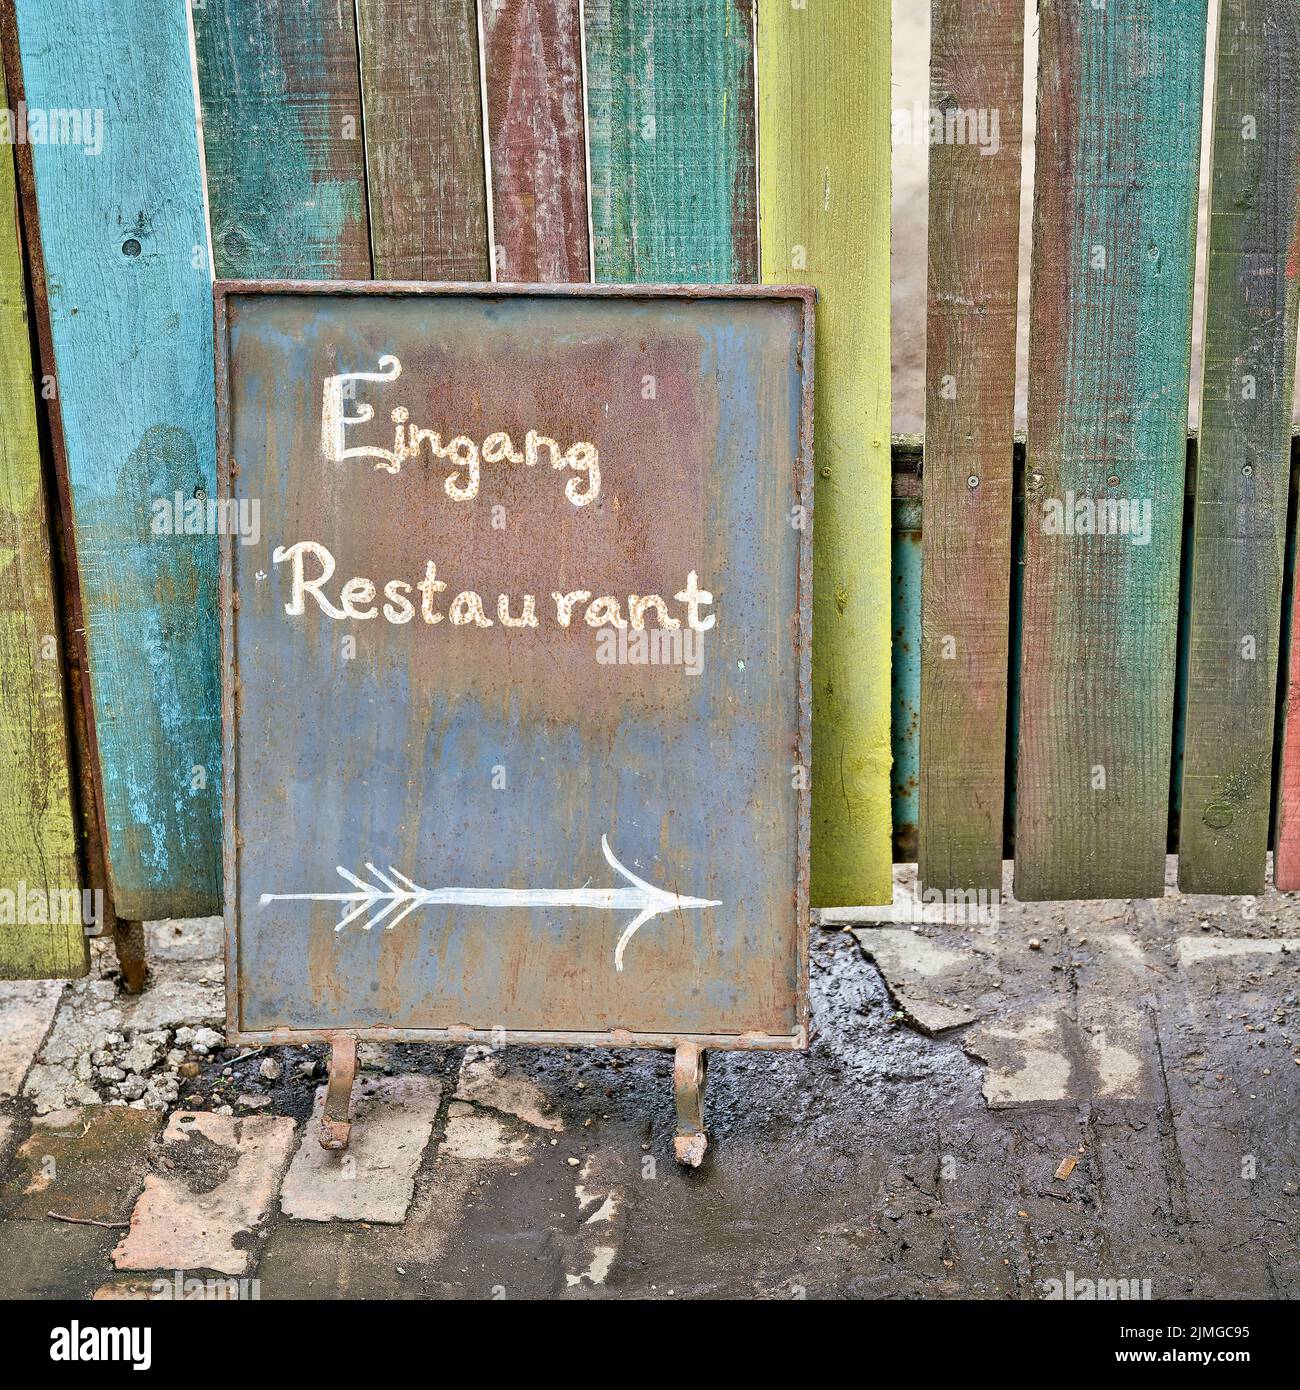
(537, 137)
(1119, 106)
(129, 317)
(424, 139)
(670, 109)
(976, 85)
(824, 130)
(1244, 457)
(38, 844)
(283, 138)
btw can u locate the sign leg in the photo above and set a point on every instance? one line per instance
(689, 1069)
(335, 1121)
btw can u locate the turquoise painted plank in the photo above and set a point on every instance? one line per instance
(128, 298)
(671, 129)
(1110, 339)
(283, 138)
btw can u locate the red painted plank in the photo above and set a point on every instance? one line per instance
(537, 139)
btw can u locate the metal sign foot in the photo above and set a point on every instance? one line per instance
(335, 1120)
(690, 1067)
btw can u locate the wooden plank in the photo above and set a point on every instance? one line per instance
(283, 138)
(824, 127)
(670, 102)
(1119, 107)
(1286, 828)
(128, 316)
(1244, 456)
(976, 85)
(38, 841)
(424, 139)
(537, 138)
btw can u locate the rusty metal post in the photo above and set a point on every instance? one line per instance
(335, 1120)
(128, 939)
(690, 1066)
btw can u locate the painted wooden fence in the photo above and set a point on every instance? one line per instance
(1069, 652)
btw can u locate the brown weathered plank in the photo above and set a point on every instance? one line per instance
(976, 82)
(1244, 454)
(537, 139)
(424, 139)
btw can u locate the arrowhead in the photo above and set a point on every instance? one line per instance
(657, 901)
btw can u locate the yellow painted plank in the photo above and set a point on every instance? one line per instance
(38, 860)
(823, 134)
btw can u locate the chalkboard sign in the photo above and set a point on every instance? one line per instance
(516, 597)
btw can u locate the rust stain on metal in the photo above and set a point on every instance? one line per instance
(518, 668)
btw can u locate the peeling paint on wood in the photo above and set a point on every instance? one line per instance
(1243, 470)
(130, 322)
(976, 75)
(670, 102)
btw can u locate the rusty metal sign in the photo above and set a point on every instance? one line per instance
(516, 606)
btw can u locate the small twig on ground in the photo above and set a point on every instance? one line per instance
(86, 1221)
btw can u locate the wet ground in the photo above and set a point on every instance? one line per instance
(1075, 1093)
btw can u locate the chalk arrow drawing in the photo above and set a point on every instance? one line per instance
(398, 892)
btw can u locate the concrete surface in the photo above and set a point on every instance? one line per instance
(374, 1178)
(1147, 1052)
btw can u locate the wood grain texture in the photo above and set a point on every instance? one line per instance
(424, 139)
(38, 841)
(670, 102)
(1286, 828)
(537, 138)
(129, 322)
(1110, 330)
(976, 84)
(283, 138)
(824, 126)
(1244, 454)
